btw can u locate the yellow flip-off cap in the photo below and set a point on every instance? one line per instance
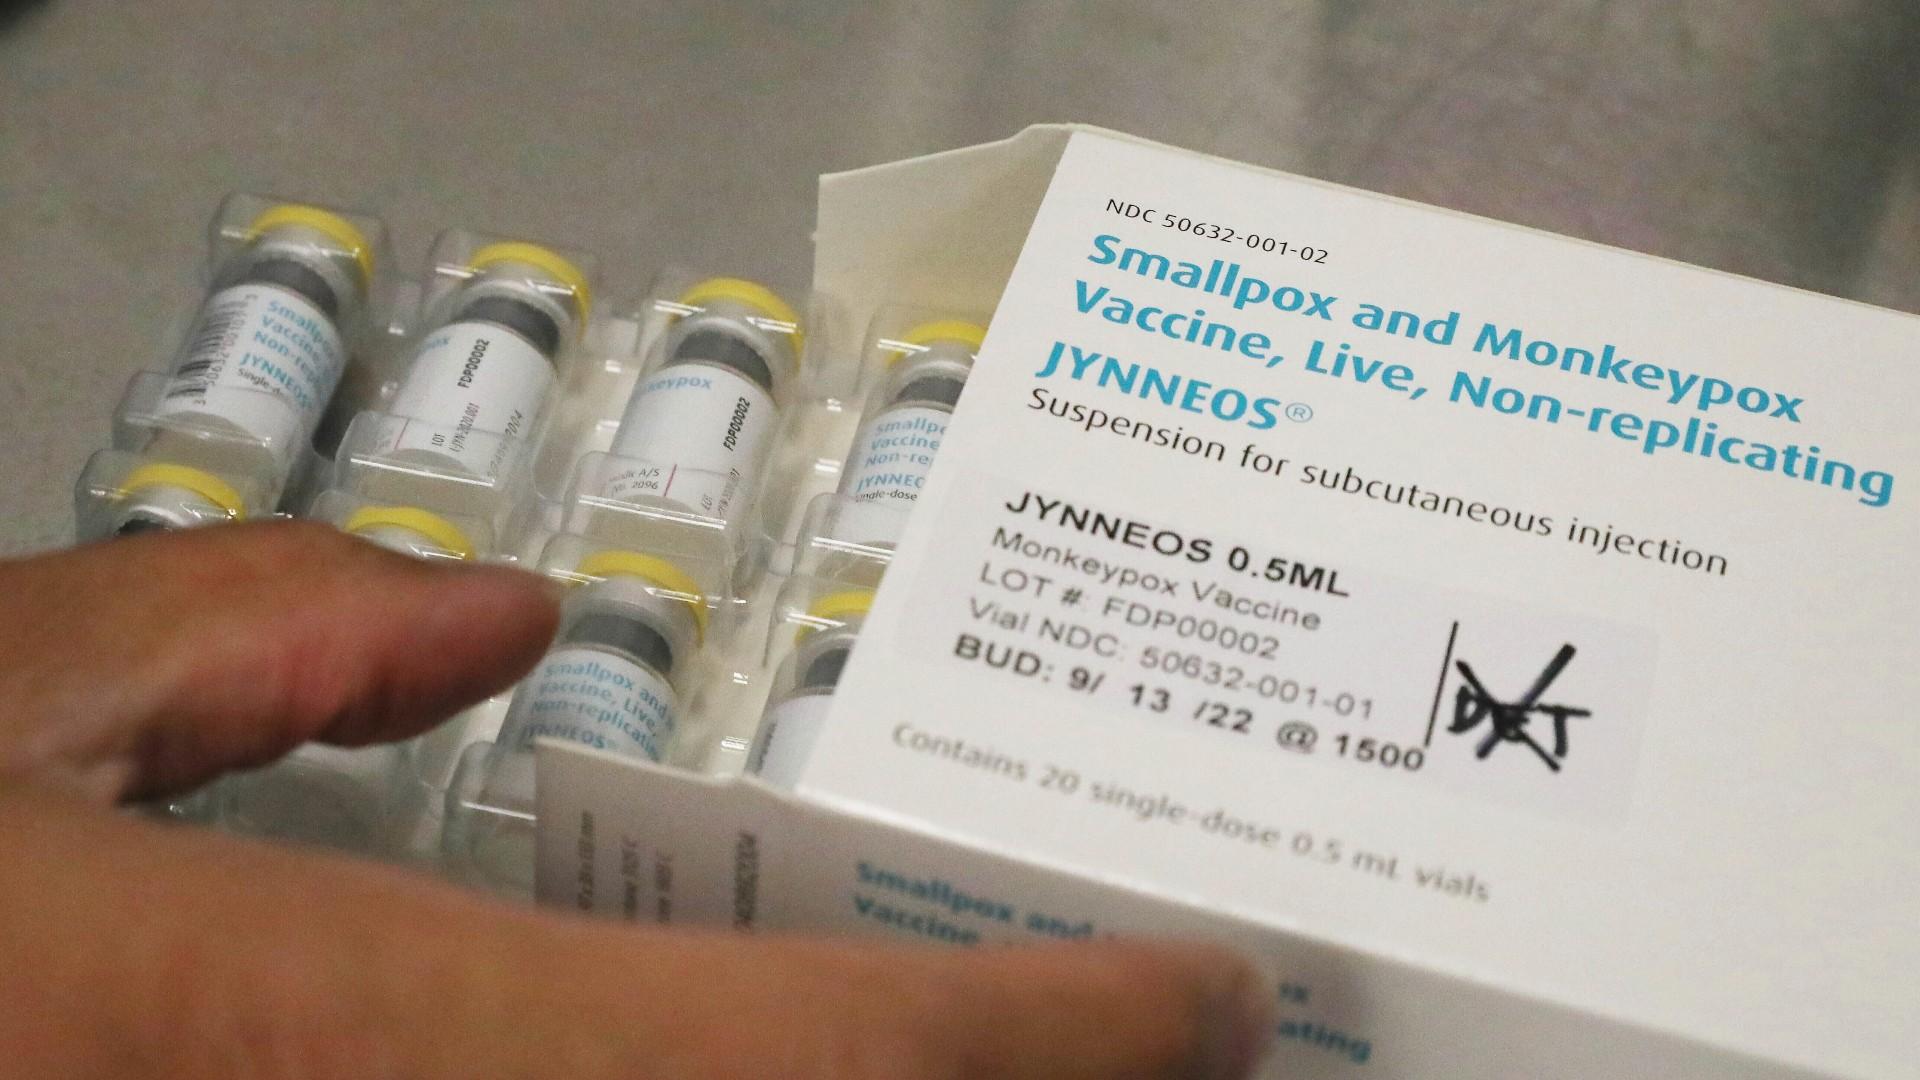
(430, 525)
(206, 485)
(650, 568)
(542, 259)
(837, 607)
(970, 334)
(330, 225)
(752, 294)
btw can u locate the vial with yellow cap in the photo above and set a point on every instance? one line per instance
(609, 680)
(695, 431)
(797, 711)
(260, 364)
(897, 442)
(488, 359)
(411, 530)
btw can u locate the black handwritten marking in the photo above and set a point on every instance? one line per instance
(1508, 720)
(1440, 685)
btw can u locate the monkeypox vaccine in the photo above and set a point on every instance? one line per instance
(261, 363)
(411, 530)
(893, 452)
(696, 428)
(479, 377)
(901, 435)
(609, 680)
(1302, 559)
(797, 712)
(478, 380)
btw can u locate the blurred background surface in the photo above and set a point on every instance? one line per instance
(1774, 138)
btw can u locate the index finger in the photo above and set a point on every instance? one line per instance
(152, 663)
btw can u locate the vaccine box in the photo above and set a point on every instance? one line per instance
(1507, 639)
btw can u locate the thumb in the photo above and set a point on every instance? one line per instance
(322, 968)
(1069, 1011)
(152, 663)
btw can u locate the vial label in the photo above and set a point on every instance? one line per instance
(262, 358)
(697, 432)
(595, 698)
(474, 388)
(787, 738)
(892, 456)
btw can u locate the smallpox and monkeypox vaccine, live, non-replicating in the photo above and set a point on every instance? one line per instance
(609, 680)
(696, 427)
(901, 434)
(259, 367)
(803, 690)
(476, 384)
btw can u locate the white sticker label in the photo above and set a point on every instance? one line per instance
(474, 387)
(1253, 648)
(596, 698)
(787, 737)
(695, 432)
(261, 357)
(893, 455)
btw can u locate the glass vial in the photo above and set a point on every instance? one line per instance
(797, 712)
(479, 377)
(897, 442)
(609, 680)
(264, 356)
(696, 428)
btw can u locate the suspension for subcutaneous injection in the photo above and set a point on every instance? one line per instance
(695, 429)
(261, 363)
(476, 383)
(609, 681)
(797, 712)
(896, 446)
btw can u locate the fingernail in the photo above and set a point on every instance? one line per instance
(1239, 1029)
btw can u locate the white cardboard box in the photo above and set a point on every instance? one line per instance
(1126, 682)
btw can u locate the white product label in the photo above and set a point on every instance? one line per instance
(1300, 553)
(893, 455)
(787, 736)
(1255, 649)
(262, 358)
(695, 432)
(473, 389)
(595, 698)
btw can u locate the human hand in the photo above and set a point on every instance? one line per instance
(151, 664)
